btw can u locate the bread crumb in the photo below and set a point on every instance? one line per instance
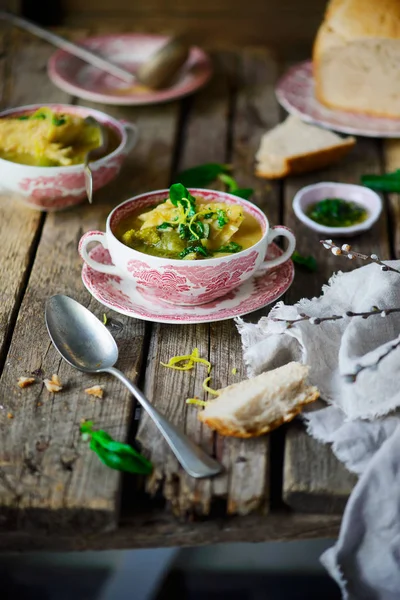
(24, 382)
(10, 416)
(96, 390)
(53, 384)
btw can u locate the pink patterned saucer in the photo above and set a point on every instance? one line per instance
(127, 50)
(295, 92)
(121, 295)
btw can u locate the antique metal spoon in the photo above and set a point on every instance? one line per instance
(86, 344)
(93, 154)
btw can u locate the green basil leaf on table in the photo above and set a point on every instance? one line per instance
(229, 181)
(116, 455)
(308, 262)
(243, 193)
(201, 175)
(389, 182)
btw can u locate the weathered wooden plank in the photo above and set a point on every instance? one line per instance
(23, 77)
(246, 484)
(205, 140)
(313, 478)
(48, 476)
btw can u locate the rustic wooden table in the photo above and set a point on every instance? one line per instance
(54, 492)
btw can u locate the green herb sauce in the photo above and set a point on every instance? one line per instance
(335, 212)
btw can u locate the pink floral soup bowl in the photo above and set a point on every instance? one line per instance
(184, 282)
(57, 188)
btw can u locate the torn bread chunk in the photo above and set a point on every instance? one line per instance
(259, 405)
(24, 382)
(294, 147)
(96, 391)
(53, 384)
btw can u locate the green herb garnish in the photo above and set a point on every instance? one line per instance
(222, 218)
(105, 319)
(233, 187)
(164, 226)
(195, 248)
(178, 194)
(308, 262)
(23, 118)
(335, 212)
(116, 455)
(57, 121)
(390, 182)
(232, 247)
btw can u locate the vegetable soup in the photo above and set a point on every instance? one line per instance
(48, 139)
(188, 228)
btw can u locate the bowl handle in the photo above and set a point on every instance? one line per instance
(132, 132)
(95, 236)
(280, 230)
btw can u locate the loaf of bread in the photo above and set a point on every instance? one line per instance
(261, 404)
(356, 57)
(294, 147)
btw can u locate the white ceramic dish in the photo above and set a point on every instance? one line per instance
(354, 193)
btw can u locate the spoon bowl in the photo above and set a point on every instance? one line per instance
(87, 345)
(81, 339)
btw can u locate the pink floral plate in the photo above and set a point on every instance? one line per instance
(295, 92)
(127, 50)
(122, 296)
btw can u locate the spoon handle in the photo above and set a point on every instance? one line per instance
(75, 49)
(192, 458)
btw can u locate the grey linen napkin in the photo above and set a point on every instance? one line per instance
(365, 561)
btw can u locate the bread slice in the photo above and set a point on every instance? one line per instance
(356, 57)
(256, 406)
(295, 147)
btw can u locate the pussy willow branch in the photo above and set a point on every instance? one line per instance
(347, 251)
(349, 314)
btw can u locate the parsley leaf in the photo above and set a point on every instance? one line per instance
(232, 247)
(222, 218)
(197, 248)
(57, 121)
(164, 226)
(308, 262)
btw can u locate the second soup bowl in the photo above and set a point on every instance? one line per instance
(185, 282)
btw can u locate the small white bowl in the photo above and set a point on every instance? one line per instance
(311, 194)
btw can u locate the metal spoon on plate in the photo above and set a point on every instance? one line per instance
(86, 344)
(93, 154)
(158, 71)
